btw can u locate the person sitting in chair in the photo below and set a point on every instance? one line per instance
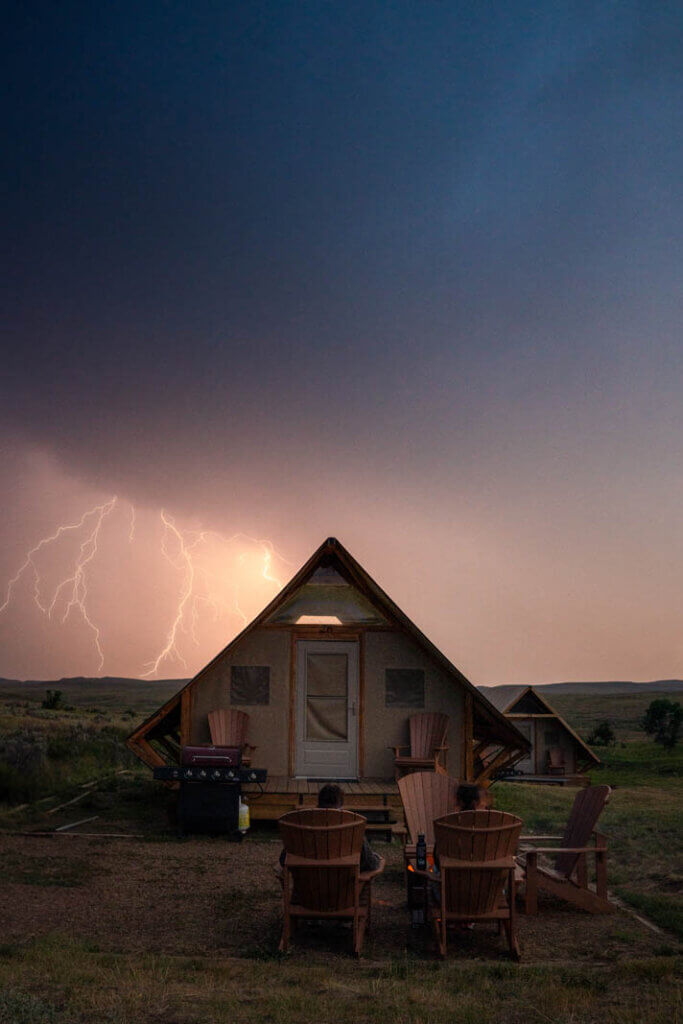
(468, 797)
(471, 797)
(332, 796)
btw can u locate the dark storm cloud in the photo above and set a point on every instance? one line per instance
(293, 224)
(404, 272)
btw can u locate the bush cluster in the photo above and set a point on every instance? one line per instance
(35, 763)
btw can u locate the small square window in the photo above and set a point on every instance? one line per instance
(249, 684)
(405, 688)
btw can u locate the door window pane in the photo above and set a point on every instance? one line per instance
(326, 675)
(326, 719)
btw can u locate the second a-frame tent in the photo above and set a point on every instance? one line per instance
(329, 673)
(556, 750)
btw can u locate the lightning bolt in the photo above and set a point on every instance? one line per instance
(202, 587)
(77, 581)
(186, 550)
(183, 561)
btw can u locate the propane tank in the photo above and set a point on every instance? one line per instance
(243, 819)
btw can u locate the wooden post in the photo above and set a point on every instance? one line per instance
(512, 901)
(292, 704)
(185, 717)
(531, 901)
(360, 721)
(468, 759)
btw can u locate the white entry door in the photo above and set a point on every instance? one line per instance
(327, 709)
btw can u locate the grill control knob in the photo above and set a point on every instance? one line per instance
(252, 776)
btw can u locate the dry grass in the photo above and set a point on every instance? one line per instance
(70, 982)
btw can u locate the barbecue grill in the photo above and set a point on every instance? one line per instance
(210, 780)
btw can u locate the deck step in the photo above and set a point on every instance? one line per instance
(381, 829)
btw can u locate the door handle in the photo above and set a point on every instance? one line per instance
(353, 709)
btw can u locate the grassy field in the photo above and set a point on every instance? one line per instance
(622, 710)
(159, 929)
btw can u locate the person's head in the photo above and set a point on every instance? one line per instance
(470, 797)
(331, 796)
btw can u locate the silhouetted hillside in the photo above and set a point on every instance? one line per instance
(657, 685)
(110, 692)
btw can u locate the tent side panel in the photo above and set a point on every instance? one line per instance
(388, 726)
(268, 723)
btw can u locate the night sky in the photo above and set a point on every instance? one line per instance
(404, 273)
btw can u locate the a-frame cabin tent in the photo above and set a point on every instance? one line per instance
(329, 673)
(544, 728)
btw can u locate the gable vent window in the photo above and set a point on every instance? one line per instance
(249, 684)
(405, 688)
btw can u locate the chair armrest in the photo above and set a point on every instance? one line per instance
(441, 748)
(397, 750)
(506, 863)
(367, 876)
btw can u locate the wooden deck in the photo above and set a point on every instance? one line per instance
(550, 780)
(282, 793)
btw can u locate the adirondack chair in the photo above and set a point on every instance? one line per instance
(321, 873)
(476, 853)
(228, 728)
(555, 763)
(425, 797)
(568, 878)
(428, 750)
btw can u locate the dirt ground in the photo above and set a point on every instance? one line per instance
(213, 898)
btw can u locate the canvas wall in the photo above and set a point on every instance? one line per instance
(268, 724)
(385, 726)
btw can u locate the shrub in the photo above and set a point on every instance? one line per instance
(602, 735)
(663, 720)
(53, 700)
